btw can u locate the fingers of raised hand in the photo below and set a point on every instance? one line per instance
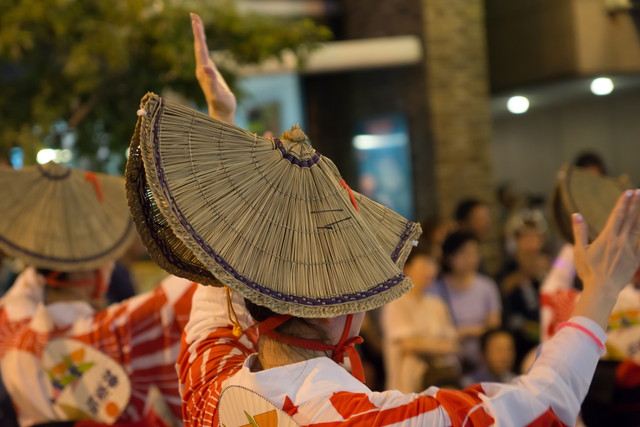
(618, 214)
(199, 40)
(631, 226)
(579, 231)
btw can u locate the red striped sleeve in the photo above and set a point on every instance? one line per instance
(217, 357)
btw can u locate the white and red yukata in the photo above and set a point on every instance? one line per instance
(319, 392)
(64, 359)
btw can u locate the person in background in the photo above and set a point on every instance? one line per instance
(420, 341)
(498, 358)
(63, 356)
(592, 162)
(520, 285)
(473, 299)
(528, 259)
(474, 216)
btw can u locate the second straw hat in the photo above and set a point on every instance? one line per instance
(578, 190)
(63, 219)
(270, 218)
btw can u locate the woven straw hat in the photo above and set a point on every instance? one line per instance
(577, 190)
(270, 218)
(63, 219)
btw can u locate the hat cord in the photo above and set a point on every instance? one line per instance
(52, 280)
(351, 196)
(90, 176)
(237, 329)
(344, 345)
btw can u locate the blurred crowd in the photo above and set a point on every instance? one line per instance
(463, 323)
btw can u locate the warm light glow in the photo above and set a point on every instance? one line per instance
(47, 155)
(518, 104)
(602, 86)
(373, 142)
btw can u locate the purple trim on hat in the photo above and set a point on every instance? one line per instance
(65, 175)
(293, 159)
(162, 244)
(384, 286)
(403, 240)
(71, 260)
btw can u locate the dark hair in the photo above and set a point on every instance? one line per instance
(429, 227)
(526, 225)
(464, 209)
(45, 272)
(295, 327)
(589, 159)
(452, 244)
(484, 339)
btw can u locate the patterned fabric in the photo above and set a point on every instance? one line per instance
(141, 334)
(319, 392)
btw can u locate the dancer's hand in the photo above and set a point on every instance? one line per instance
(608, 264)
(220, 100)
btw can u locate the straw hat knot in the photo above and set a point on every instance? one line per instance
(295, 146)
(53, 170)
(295, 135)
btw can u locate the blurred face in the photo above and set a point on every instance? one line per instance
(500, 353)
(530, 240)
(466, 260)
(422, 270)
(594, 170)
(480, 222)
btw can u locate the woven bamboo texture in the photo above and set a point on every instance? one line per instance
(63, 219)
(270, 218)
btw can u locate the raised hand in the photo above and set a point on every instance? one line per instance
(220, 100)
(608, 264)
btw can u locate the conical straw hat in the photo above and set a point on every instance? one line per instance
(593, 196)
(268, 218)
(63, 219)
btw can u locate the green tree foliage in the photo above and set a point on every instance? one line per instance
(84, 64)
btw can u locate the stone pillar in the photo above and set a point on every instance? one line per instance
(458, 97)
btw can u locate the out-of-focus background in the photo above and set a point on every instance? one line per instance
(455, 113)
(420, 103)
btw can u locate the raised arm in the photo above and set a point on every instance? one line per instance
(220, 100)
(609, 263)
(210, 351)
(558, 381)
(553, 390)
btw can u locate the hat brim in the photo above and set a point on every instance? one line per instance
(389, 237)
(63, 219)
(579, 191)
